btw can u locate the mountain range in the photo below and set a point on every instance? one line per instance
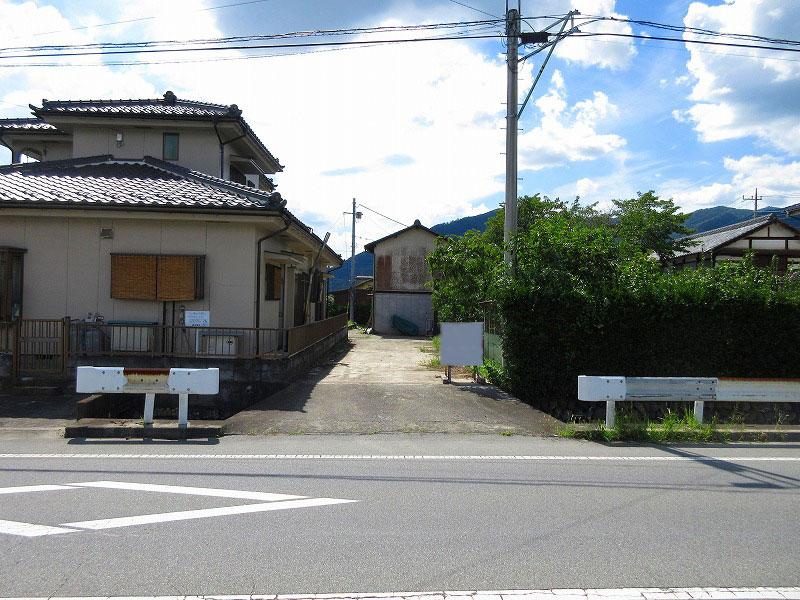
(699, 221)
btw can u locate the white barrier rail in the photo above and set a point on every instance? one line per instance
(611, 389)
(120, 380)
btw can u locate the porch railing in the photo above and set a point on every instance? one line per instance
(25, 340)
(103, 339)
(304, 336)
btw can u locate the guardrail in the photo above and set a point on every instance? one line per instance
(119, 380)
(299, 338)
(612, 389)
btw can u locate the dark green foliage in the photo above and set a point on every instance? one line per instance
(587, 296)
(466, 271)
(733, 320)
(649, 224)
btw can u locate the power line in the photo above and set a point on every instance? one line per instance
(685, 41)
(139, 19)
(693, 30)
(258, 37)
(253, 47)
(382, 215)
(367, 44)
(473, 8)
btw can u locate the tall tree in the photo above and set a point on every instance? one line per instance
(650, 224)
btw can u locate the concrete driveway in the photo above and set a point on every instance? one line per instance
(379, 385)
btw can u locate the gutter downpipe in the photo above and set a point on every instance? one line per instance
(222, 147)
(286, 226)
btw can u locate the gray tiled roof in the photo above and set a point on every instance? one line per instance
(25, 125)
(107, 182)
(715, 238)
(168, 107)
(157, 107)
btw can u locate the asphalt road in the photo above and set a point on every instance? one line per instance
(567, 514)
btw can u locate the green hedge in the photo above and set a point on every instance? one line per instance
(733, 320)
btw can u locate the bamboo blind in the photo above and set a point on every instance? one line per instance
(176, 278)
(133, 277)
(153, 277)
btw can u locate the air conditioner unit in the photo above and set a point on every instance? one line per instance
(219, 345)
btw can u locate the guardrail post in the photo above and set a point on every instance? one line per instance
(149, 405)
(611, 413)
(698, 410)
(183, 410)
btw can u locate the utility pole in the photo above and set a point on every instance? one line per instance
(356, 215)
(754, 199)
(512, 41)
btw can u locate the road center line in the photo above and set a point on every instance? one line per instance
(710, 593)
(203, 513)
(402, 457)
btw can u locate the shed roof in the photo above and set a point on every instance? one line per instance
(417, 225)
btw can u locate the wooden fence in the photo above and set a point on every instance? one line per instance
(304, 336)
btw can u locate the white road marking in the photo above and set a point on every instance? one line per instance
(710, 593)
(402, 457)
(30, 529)
(191, 491)
(203, 513)
(268, 502)
(33, 488)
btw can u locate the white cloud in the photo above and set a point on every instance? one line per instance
(594, 51)
(566, 134)
(414, 131)
(735, 96)
(777, 180)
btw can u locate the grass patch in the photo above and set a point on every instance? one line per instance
(674, 427)
(432, 363)
(433, 348)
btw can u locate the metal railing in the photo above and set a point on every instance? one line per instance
(613, 389)
(103, 339)
(300, 338)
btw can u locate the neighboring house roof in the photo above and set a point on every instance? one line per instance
(27, 125)
(792, 209)
(712, 240)
(169, 107)
(417, 225)
(106, 182)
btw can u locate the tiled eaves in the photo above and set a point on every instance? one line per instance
(106, 182)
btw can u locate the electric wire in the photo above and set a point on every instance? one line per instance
(382, 215)
(256, 37)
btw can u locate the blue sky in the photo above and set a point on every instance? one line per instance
(415, 130)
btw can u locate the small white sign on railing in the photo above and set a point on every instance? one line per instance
(197, 318)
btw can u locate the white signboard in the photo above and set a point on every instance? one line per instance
(197, 318)
(462, 344)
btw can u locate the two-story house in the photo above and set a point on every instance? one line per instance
(138, 211)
